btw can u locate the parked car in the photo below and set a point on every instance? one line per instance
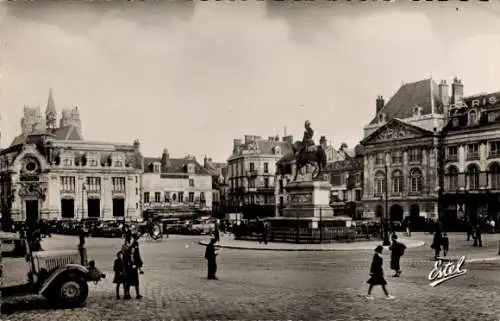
(56, 275)
(108, 229)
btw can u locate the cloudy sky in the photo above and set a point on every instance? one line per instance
(191, 76)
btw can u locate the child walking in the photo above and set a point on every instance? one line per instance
(119, 268)
(377, 274)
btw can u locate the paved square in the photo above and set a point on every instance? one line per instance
(273, 285)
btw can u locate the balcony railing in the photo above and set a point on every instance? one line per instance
(252, 173)
(452, 158)
(494, 154)
(472, 156)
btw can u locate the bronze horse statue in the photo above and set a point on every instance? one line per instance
(314, 155)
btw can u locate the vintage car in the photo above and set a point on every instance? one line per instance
(58, 276)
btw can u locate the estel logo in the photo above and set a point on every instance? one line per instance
(443, 272)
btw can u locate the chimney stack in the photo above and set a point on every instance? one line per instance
(379, 103)
(457, 91)
(164, 160)
(236, 143)
(288, 139)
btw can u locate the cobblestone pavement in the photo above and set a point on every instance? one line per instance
(270, 285)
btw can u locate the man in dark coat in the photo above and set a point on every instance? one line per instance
(478, 240)
(397, 251)
(135, 245)
(436, 244)
(211, 256)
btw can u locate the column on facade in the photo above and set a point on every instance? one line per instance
(54, 197)
(130, 196)
(81, 209)
(425, 171)
(406, 174)
(461, 167)
(434, 165)
(483, 156)
(106, 197)
(17, 204)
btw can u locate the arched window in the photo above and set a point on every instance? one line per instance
(494, 176)
(379, 183)
(452, 178)
(415, 180)
(397, 181)
(473, 177)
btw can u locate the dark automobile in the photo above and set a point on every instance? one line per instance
(108, 229)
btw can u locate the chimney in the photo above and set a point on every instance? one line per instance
(322, 142)
(236, 143)
(379, 103)
(271, 138)
(443, 93)
(164, 160)
(248, 139)
(205, 162)
(137, 144)
(457, 91)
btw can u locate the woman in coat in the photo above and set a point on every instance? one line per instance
(133, 263)
(377, 274)
(119, 268)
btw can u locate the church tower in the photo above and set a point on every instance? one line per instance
(51, 113)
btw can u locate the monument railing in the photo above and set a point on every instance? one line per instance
(309, 235)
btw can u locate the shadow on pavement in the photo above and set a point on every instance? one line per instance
(28, 304)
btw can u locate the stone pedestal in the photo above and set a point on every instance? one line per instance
(309, 207)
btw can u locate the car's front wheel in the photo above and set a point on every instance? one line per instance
(71, 291)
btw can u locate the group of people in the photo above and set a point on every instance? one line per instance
(474, 231)
(127, 267)
(377, 267)
(440, 242)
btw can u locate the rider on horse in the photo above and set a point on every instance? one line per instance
(307, 140)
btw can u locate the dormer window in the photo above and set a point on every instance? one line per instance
(417, 111)
(156, 167)
(472, 117)
(190, 168)
(277, 150)
(381, 117)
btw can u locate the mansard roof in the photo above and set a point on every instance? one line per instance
(423, 93)
(175, 165)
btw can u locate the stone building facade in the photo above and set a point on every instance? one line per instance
(401, 156)
(176, 186)
(471, 159)
(251, 174)
(51, 172)
(220, 186)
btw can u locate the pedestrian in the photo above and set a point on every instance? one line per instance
(397, 251)
(478, 240)
(135, 245)
(128, 234)
(211, 257)
(446, 243)
(216, 232)
(377, 274)
(470, 231)
(119, 268)
(81, 245)
(132, 266)
(408, 227)
(492, 224)
(436, 244)
(264, 233)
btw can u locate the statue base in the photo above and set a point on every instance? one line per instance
(309, 207)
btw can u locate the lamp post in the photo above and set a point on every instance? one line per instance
(386, 220)
(84, 188)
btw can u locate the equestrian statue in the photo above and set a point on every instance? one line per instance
(306, 152)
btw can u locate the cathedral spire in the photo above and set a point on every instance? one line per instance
(50, 112)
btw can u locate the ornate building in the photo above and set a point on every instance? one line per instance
(220, 186)
(345, 173)
(50, 172)
(471, 158)
(402, 145)
(176, 186)
(251, 173)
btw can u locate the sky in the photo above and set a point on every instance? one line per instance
(192, 76)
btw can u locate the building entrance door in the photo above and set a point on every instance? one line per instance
(94, 207)
(32, 214)
(118, 207)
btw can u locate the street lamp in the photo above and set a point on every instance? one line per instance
(386, 221)
(84, 188)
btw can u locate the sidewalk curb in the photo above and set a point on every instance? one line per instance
(232, 247)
